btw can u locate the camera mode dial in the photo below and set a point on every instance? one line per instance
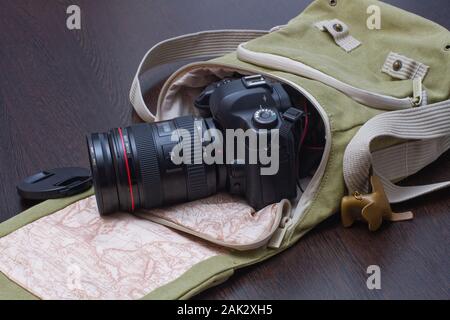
(265, 118)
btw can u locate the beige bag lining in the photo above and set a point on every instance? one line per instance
(177, 98)
(223, 219)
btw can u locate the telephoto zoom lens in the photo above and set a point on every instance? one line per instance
(132, 167)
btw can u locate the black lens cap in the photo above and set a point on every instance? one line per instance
(55, 183)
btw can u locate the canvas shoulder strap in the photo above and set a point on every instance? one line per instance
(200, 46)
(426, 130)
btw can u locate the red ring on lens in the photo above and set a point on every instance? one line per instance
(127, 169)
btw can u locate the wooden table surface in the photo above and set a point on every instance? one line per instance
(57, 85)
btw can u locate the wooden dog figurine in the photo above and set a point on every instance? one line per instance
(372, 207)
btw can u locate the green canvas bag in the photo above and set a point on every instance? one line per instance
(382, 95)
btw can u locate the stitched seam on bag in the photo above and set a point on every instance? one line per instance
(323, 180)
(350, 128)
(319, 191)
(21, 287)
(211, 282)
(34, 219)
(90, 193)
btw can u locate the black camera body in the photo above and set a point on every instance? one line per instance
(253, 103)
(133, 167)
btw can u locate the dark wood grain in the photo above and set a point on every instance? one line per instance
(58, 85)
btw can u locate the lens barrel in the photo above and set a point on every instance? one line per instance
(132, 167)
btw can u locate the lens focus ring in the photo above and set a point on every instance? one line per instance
(197, 186)
(149, 166)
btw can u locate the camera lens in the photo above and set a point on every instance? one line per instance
(133, 168)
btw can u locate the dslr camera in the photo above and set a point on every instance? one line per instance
(243, 125)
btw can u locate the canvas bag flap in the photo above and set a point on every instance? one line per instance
(400, 64)
(421, 47)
